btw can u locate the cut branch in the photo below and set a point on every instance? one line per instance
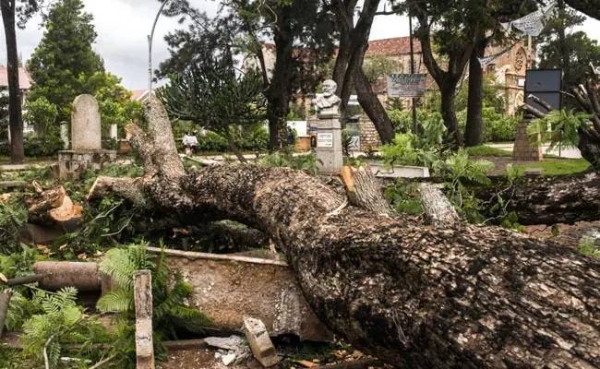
(364, 190)
(436, 206)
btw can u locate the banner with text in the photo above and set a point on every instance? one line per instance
(406, 85)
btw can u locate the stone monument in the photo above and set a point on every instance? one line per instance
(86, 131)
(328, 148)
(86, 140)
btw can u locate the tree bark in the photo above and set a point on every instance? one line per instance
(5, 297)
(344, 12)
(17, 153)
(474, 127)
(550, 200)
(448, 95)
(436, 206)
(58, 274)
(373, 108)
(413, 295)
(364, 190)
(279, 91)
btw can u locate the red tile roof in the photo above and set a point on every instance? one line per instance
(393, 47)
(25, 80)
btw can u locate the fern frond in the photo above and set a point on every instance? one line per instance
(118, 300)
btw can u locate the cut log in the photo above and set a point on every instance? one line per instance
(5, 296)
(142, 291)
(58, 274)
(413, 295)
(54, 206)
(364, 190)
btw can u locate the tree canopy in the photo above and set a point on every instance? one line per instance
(207, 88)
(64, 61)
(65, 65)
(562, 47)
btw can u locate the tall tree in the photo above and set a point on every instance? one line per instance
(490, 31)
(206, 88)
(459, 36)
(11, 10)
(348, 71)
(64, 61)
(474, 126)
(455, 31)
(302, 35)
(561, 47)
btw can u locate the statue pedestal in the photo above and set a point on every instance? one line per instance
(329, 144)
(72, 163)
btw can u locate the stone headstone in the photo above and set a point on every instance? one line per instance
(85, 124)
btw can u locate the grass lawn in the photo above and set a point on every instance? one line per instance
(29, 160)
(557, 167)
(483, 150)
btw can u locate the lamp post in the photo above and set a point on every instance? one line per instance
(150, 37)
(412, 71)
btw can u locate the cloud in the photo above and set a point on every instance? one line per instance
(122, 27)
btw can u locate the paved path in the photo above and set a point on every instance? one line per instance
(570, 153)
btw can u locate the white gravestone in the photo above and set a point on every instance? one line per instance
(85, 124)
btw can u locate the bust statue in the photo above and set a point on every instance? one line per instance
(328, 104)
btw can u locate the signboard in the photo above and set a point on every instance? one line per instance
(324, 139)
(406, 85)
(546, 84)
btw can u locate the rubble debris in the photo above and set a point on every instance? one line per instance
(260, 342)
(233, 349)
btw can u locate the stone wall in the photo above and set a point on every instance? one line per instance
(369, 138)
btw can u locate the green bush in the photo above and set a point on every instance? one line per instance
(254, 139)
(35, 146)
(212, 142)
(498, 128)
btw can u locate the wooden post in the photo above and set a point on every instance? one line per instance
(142, 291)
(4, 301)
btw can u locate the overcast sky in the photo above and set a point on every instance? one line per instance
(123, 25)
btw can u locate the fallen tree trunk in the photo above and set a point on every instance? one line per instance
(550, 200)
(413, 295)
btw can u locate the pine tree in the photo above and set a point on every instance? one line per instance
(64, 60)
